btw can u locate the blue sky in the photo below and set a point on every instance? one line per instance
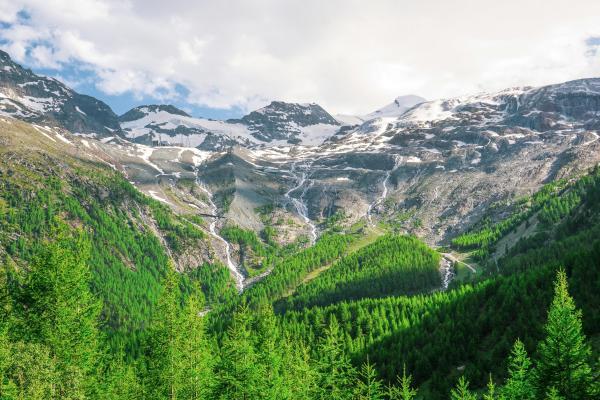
(84, 81)
(222, 59)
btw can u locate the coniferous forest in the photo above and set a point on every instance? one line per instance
(343, 319)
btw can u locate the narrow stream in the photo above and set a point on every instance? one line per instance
(299, 204)
(384, 192)
(237, 275)
(447, 272)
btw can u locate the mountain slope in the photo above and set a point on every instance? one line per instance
(469, 329)
(276, 124)
(396, 108)
(44, 100)
(51, 179)
(307, 124)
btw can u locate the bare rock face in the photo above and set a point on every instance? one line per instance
(427, 167)
(44, 100)
(436, 168)
(284, 121)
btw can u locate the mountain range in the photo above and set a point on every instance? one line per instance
(294, 253)
(431, 168)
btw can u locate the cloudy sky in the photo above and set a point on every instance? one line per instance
(221, 58)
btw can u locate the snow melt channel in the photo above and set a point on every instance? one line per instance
(299, 204)
(384, 192)
(239, 278)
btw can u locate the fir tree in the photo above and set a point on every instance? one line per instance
(163, 356)
(368, 386)
(404, 391)
(564, 353)
(34, 374)
(298, 372)
(519, 385)
(462, 392)
(5, 362)
(120, 381)
(491, 390)
(336, 374)
(269, 354)
(239, 373)
(553, 395)
(196, 355)
(61, 314)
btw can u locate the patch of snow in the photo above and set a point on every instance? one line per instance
(146, 154)
(39, 129)
(62, 138)
(397, 107)
(155, 196)
(79, 111)
(349, 119)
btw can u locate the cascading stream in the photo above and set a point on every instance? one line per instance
(299, 204)
(384, 192)
(237, 275)
(447, 272)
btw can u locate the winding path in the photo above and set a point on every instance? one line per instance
(454, 259)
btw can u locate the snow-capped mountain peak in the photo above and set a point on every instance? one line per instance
(279, 123)
(291, 122)
(41, 99)
(398, 107)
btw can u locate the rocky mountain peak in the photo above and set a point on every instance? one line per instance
(41, 99)
(284, 121)
(141, 111)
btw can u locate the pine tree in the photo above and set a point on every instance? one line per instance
(553, 395)
(519, 385)
(298, 373)
(62, 315)
(196, 355)
(368, 386)
(491, 390)
(239, 373)
(336, 374)
(462, 392)
(564, 353)
(405, 390)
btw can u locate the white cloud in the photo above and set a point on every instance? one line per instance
(350, 56)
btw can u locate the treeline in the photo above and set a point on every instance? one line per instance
(392, 265)
(51, 347)
(551, 203)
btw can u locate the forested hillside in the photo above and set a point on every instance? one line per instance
(392, 265)
(132, 237)
(95, 305)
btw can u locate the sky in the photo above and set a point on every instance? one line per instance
(223, 58)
